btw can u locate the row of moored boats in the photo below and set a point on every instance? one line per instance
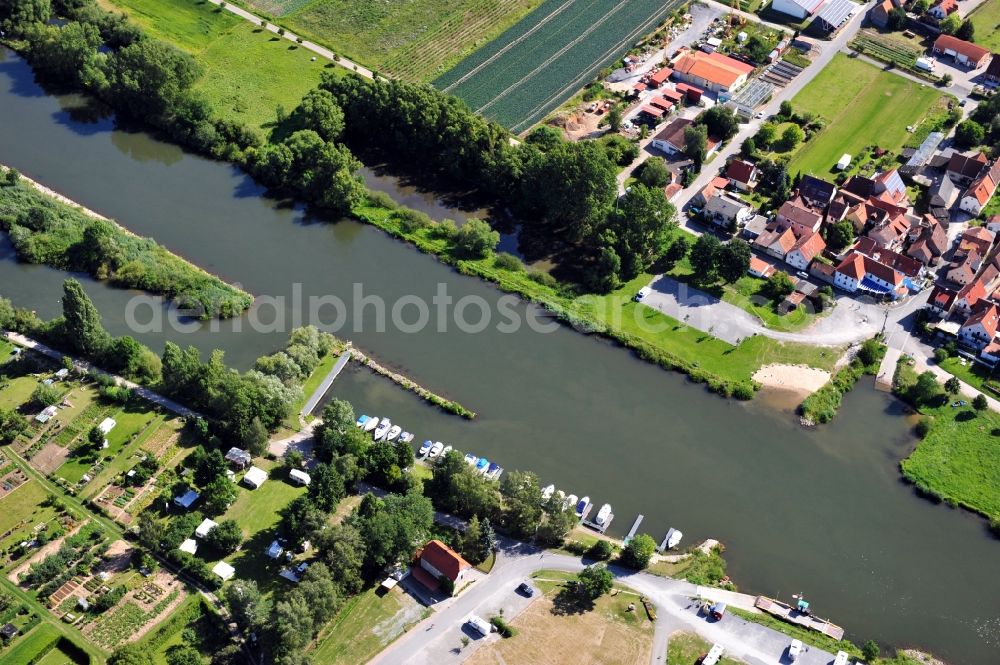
(581, 506)
(382, 429)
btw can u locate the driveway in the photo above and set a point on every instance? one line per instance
(438, 638)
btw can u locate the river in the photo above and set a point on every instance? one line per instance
(821, 512)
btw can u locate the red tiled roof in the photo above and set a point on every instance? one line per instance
(652, 110)
(444, 559)
(982, 188)
(713, 67)
(988, 316)
(740, 171)
(661, 76)
(947, 6)
(672, 95)
(973, 52)
(972, 292)
(760, 266)
(661, 103)
(942, 297)
(967, 166)
(809, 245)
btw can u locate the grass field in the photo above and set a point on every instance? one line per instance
(17, 391)
(21, 511)
(131, 421)
(972, 373)
(364, 626)
(414, 39)
(862, 105)
(986, 19)
(557, 630)
(959, 460)
(546, 57)
(257, 510)
(248, 72)
(28, 647)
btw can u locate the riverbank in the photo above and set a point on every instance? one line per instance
(48, 228)
(800, 379)
(824, 403)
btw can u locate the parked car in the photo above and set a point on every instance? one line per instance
(524, 588)
(803, 274)
(643, 292)
(841, 658)
(717, 611)
(794, 649)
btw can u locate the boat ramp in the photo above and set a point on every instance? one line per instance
(804, 619)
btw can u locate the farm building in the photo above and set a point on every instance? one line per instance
(965, 53)
(187, 499)
(224, 571)
(255, 477)
(712, 71)
(205, 528)
(800, 9)
(300, 477)
(835, 13)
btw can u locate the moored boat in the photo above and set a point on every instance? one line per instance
(405, 437)
(603, 514)
(436, 449)
(494, 471)
(482, 465)
(425, 447)
(673, 538)
(447, 449)
(582, 505)
(362, 420)
(570, 501)
(547, 492)
(394, 431)
(471, 459)
(382, 430)
(370, 424)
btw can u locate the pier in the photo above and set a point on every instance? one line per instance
(635, 527)
(317, 395)
(792, 615)
(599, 528)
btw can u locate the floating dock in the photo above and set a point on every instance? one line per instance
(635, 527)
(599, 528)
(792, 615)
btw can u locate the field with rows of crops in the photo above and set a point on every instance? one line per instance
(540, 62)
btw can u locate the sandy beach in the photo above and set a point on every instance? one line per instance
(795, 378)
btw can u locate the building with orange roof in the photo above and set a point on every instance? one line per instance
(711, 71)
(981, 190)
(437, 561)
(979, 329)
(965, 53)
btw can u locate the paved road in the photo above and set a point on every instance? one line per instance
(349, 65)
(84, 366)
(437, 639)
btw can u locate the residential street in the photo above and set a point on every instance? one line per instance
(438, 638)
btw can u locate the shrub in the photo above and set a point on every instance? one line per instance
(507, 261)
(504, 628)
(923, 427)
(543, 278)
(602, 550)
(412, 220)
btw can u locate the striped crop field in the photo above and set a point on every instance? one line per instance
(545, 58)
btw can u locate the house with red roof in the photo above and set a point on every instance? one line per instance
(858, 272)
(969, 297)
(930, 241)
(778, 238)
(963, 168)
(981, 190)
(715, 186)
(809, 245)
(711, 71)
(942, 8)
(436, 561)
(879, 14)
(980, 329)
(941, 301)
(660, 77)
(760, 268)
(891, 233)
(965, 53)
(742, 175)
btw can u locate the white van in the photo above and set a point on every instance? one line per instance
(841, 658)
(480, 625)
(713, 656)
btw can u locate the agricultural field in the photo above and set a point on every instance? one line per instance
(415, 40)
(248, 72)
(986, 19)
(519, 77)
(892, 49)
(862, 105)
(25, 513)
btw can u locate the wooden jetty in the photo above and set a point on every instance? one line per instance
(635, 527)
(792, 615)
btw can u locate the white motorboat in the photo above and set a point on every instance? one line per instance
(471, 459)
(362, 420)
(582, 505)
(673, 538)
(561, 495)
(436, 449)
(447, 449)
(405, 437)
(425, 448)
(547, 492)
(493, 471)
(394, 431)
(370, 424)
(382, 430)
(603, 514)
(570, 501)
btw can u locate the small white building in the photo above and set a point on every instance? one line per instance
(844, 162)
(205, 528)
(107, 425)
(254, 477)
(189, 545)
(47, 414)
(299, 477)
(798, 8)
(224, 571)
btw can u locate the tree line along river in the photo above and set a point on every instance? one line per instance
(821, 511)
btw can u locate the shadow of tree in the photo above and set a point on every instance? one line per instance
(569, 602)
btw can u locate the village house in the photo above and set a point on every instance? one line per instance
(670, 139)
(964, 168)
(930, 244)
(824, 272)
(976, 238)
(715, 186)
(993, 224)
(754, 227)
(965, 53)
(980, 328)
(436, 561)
(806, 248)
(879, 14)
(969, 297)
(760, 268)
(992, 73)
(981, 190)
(778, 238)
(816, 192)
(858, 272)
(943, 192)
(711, 71)
(963, 269)
(943, 8)
(891, 233)
(796, 211)
(726, 211)
(889, 188)
(906, 265)
(742, 175)
(941, 301)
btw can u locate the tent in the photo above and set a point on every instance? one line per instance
(205, 528)
(255, 477)
(224, 570)
(190, 546)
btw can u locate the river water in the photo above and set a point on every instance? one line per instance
(821, 512)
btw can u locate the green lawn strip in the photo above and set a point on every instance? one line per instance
(986, 20)
(684, 648)
(24, 504)
(249, 72)
(959, 459)
(130, 422)
(6, 348)
(125, 458)
(310, 386)
(862, 105)
(972, 373)
(351, 636)
(16, 391)
(29, 647)
(811, 637)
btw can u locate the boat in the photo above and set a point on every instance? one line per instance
(603, 514)
(382, 429)
(547, 492)
(425, 447)
(570, 501)
(471, 459)
(673, 538)
(394, 431)
(482, 465)
(582, 505)
(436, 449)
(561, 495)
(370, 424)
(362, 420)
(494, 471)
(447, 449)
(405, 437)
